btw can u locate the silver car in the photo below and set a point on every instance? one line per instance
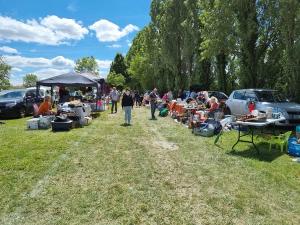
(237, 104)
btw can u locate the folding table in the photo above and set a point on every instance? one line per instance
(252, 126)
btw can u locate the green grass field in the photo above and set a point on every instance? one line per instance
(154, 172)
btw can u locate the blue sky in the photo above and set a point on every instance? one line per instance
(45, 37)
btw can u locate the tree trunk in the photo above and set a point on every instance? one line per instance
(221, 71)
(248, 29)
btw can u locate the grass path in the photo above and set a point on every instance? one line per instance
(154, 172)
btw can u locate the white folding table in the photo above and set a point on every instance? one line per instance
(251, 126)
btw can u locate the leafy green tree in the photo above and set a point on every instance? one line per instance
(116, 80)
(290, 34)
(222, 44)
(218, 42)
(30, 80)
(87, 64)
(118, 66)
(167, 17)
(4, 74)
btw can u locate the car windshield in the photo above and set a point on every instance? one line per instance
(270, 96)
(12, 94)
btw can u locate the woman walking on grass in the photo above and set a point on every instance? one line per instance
(127, 105)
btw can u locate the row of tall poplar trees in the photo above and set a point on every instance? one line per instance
(218, 44)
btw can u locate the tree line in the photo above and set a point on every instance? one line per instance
(218, 44)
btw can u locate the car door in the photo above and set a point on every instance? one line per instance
(238, 103)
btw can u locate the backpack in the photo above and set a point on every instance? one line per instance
(164, 113)
(208, 129)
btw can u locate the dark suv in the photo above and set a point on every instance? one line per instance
(16, 103)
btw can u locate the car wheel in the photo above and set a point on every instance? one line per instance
(22, 112)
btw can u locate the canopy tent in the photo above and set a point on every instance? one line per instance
(71, 79)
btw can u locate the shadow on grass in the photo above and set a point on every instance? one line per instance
(125, 125)
(264, 153)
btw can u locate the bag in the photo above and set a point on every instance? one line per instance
(216, 125)
(205, 130)
(164, 113)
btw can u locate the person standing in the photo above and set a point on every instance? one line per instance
(136, 98)
(115, 97)
(153, 103)
(127, 105)
(170, 96)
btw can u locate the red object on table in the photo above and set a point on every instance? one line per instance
(251, 106)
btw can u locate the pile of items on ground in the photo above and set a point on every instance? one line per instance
(69, 115)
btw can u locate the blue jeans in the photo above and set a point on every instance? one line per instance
(127, 110)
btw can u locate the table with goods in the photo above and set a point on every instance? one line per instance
(254, 121)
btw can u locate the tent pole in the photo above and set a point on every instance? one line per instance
(37, 93)
(51, 93)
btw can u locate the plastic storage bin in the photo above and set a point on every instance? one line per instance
(62, 126)
(293, 147)
(298, 131)
(45, 122)
(33, 124)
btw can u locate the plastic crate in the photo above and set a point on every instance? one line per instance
(293, 147)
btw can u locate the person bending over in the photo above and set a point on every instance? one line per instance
(45, 108)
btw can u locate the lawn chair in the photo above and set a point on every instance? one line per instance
(280, 140)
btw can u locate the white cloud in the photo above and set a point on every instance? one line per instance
(107, 31)
(23, 62)
(103, 73)
(103, 64)
(8, 50)
(50, 72)
(45, 68)
(50, 30)
(61, 61)
(15, 69)
(114, 46)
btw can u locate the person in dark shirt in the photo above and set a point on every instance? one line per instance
(127, 105)
(153, 103)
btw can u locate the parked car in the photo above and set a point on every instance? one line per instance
(238, 101)
(16, 103)
(222, 97)
(44, 91)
